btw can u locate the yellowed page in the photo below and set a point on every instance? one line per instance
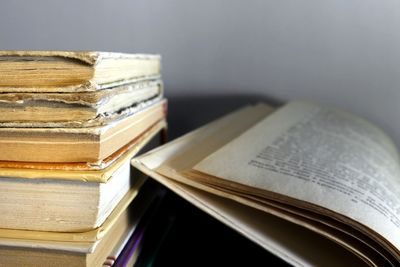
(294, 244)
(73, 71)
(91, 235)
(323, 157)
(174, 159)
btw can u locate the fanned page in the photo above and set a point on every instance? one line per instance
(320, 159)
(292, 243)
(168, 164)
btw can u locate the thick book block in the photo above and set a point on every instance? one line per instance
(72, 71)
(80, 249)
(77, 109)
(90, 144)
(67, 198)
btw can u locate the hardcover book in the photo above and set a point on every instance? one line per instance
(82, 109)
(88, 144)
(71, 197)
(90, 248)
(73, 71)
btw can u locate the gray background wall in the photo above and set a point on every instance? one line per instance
(340, 52)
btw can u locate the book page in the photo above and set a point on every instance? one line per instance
(292, 243)
(173, 159)
(321, 156)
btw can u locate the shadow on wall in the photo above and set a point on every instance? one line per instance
(188, 113)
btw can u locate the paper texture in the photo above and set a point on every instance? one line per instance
(92, 235)
(288, 241)
(320, 156)
(256, 225)
(305, 186)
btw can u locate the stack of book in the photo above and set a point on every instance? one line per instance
(69, 124)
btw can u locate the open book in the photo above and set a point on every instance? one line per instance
(314, 185)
